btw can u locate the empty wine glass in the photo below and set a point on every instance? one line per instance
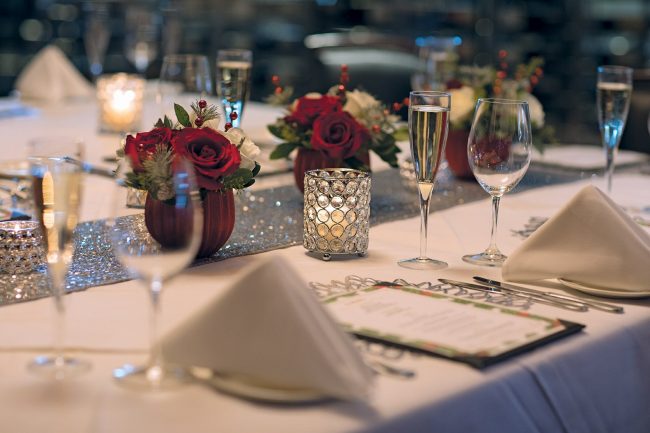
(614, 91)
(184, 79)
(499, 151)
(97, 34)
(428, 125)
(234, 82)
(141, 36)
(57, 196)
(154, 263)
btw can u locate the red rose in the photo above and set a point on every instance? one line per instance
(307, 109)
(212, 155)
(338, 135)
(143, 145)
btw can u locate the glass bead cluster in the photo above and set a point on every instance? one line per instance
(336, 211)
(20, 246)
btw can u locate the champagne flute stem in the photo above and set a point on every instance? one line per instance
(59, 325)
(493, 249)
(610, 168)
(57, 281)
(155, 362)
(425, 190)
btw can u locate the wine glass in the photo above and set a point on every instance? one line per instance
(499, 152)
(614, 91)
(141, 36)
(234, 82)
(428, 125)
(96, 36)
(184, 79)
(155, 263)
(56, 176)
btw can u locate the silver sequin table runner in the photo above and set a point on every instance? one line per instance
(266, 220)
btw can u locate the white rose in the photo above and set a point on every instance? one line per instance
(536, 110)
(247, 149)
(358, 102)
(462, 103)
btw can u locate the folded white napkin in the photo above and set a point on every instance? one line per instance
(51, 77)
(270, 328)
(591, 240)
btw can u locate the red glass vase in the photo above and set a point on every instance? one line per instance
(308, 159)
(167, 224)
(456, 154)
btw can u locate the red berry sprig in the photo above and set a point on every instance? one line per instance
(204, 112)
(343, 82)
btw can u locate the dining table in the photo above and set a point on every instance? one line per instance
(593, 381)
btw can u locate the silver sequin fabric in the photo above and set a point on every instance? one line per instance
(265, 220)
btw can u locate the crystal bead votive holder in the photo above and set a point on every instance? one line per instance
(21, 246)
(336, 212)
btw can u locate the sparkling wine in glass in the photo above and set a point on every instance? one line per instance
(234, 82)
(57, 196)
(155, 263)
(499, 152)
(614, 90)
(184, 79)
(428, 125)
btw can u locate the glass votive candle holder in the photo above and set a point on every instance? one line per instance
(336, 212)
(120, 102)
(21, 247)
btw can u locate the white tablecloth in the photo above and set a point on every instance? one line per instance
(595, 381)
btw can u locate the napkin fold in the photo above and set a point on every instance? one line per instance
(591, 240)
(271, 329)
(50, 77)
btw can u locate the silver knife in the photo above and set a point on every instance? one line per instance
(603, 306)
(529, 297)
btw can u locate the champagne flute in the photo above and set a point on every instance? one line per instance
(499, 152)
(57, 196)
(184, 79)
(428, 125)
(234, 82)
(155, 264)
(614, 91)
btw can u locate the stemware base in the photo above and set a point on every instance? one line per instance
(422, 263)
(151, 378)
(58, 368)
(486, 259)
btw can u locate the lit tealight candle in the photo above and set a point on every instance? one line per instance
(120, 102)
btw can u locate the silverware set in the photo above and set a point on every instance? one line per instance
(566, 302)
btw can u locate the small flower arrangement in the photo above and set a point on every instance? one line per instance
(482, 82)
(222, 159)
(343, 125)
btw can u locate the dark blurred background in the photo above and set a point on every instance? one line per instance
(305, 41)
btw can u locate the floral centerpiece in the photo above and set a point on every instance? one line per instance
(472, 83)
(337, 129)
(223, 161)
